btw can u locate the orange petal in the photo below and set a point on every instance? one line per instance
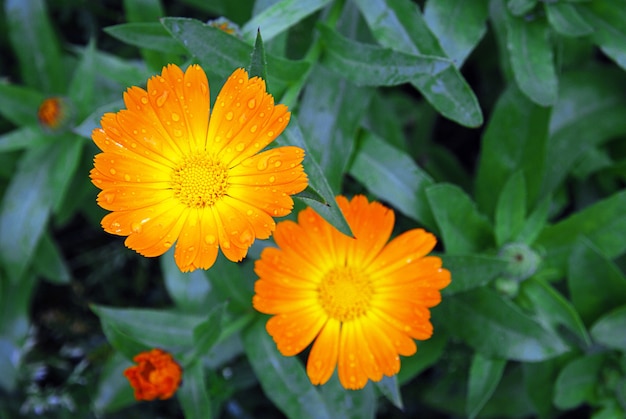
(323, 356)
(128, 169)
(231, 226)
(378, 342)
(404, 318)
(261, 222)
(154, 236)
(197, 244)
(244, 119)
(400, 251)
(126, 198)
(351, 373)
(294, 331)
(285, 269)
(278, 166)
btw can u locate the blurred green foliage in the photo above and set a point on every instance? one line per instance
(499, 125)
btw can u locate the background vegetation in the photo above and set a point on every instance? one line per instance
(498, 125)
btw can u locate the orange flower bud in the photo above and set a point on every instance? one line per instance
(55, 113)
(156, 375)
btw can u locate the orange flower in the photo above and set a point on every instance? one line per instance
(169, 174)
(53, 113)
(361, 299)
(157, 375)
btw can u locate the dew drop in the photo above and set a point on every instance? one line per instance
(109, 197)
(270, 133)
(191, 249)
(261, 114)
(246, 236)
(178, 133)
(226, 244)
(203, 88)
(175, 117)
(249, 213)
(262, 163)
(112, 171)
(144, 100)
(277, 163)
(161, 99)
(136, 227)
(251, 103)
(209, 239)
(272, 179)
(134, 145)
(229, 116)
(167, 244)
(127, 177)
(239, 147)
(253, 128)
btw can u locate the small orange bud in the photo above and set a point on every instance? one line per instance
(54, 113)
(156, 375)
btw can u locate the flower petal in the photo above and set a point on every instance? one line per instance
(323, 356)
(127, 197)
(155, 235)
(294, 331)
(244, 119)
(128, 169)
(351, 373)
(197, 244)
(400, 251)
(261, 222)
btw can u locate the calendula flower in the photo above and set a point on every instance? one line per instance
(170, 174)
(157, 375)
(54, 113)
(363, 300)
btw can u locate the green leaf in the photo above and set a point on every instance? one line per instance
(603, 224)
(462, 227)
(280, 17)
(565, 19)
(36, 45)
(458, 25)
(190, 291)
(514, 140)
(329, 209)
(206, 334)
(193, 395)
(531, 59)
(590, 111)
(146, 35)
(359, 404)
(428, 353)
(539, 379)
(608, 330)
(435, 77)
(19, 104)
(608, 19)
(40, 184)
(471, 271)
(577, 382)
(283, 379)
(113, 391)
(497, 328)
(388, 386)
(82, 86)
(511, 209)
(21, 138)
(520, 7)
(394, 177)
(329, 114)
(552, 309)
(49, 262)
(142, 329)
(220, 53)
(258, 62)
(535, 222)
(484, 376)
(596, 284)
(8, 352)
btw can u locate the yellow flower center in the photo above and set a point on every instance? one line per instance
(200, 181)
(345, 293)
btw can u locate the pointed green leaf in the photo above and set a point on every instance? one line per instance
(603, 224)
(459, 25)
(190, 291)
(608, 330)
(565, 19)
(193, 394)
(49, 262)
(283, 379)
(435, 77)
(280, 17)
(484, 376)
(394, 177)
(497, 328)
(21, 138)
(206, 334)
(520, 7)
(553, 309)
(258, 62)
(148, 328)
(590, 111)
(359, 404)
(388, 386)
(471, 271)
(532, 59)
(330, 113)
(463, 228)
(511, 209)
(146, 35)
(537, 378)
(36, 45)
(515, 140)
(535, 222)
(19, 104)
(608, 19)
(82, 86)
(577, 383)
(596, 284)
(329, 209)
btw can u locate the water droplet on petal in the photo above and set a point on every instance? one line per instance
(175, 117)
(203, 88)
(262, 163)
(239, 147)
(272, 179)
(127, 177)
(229, 116)
(161, 99)
(253, 128)
(209, 239)
(136, 227)
(167, 244)
(112, 171)
(270, 133)
(277, 163)
(251, 103)
(109, 197)
(144, 100)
